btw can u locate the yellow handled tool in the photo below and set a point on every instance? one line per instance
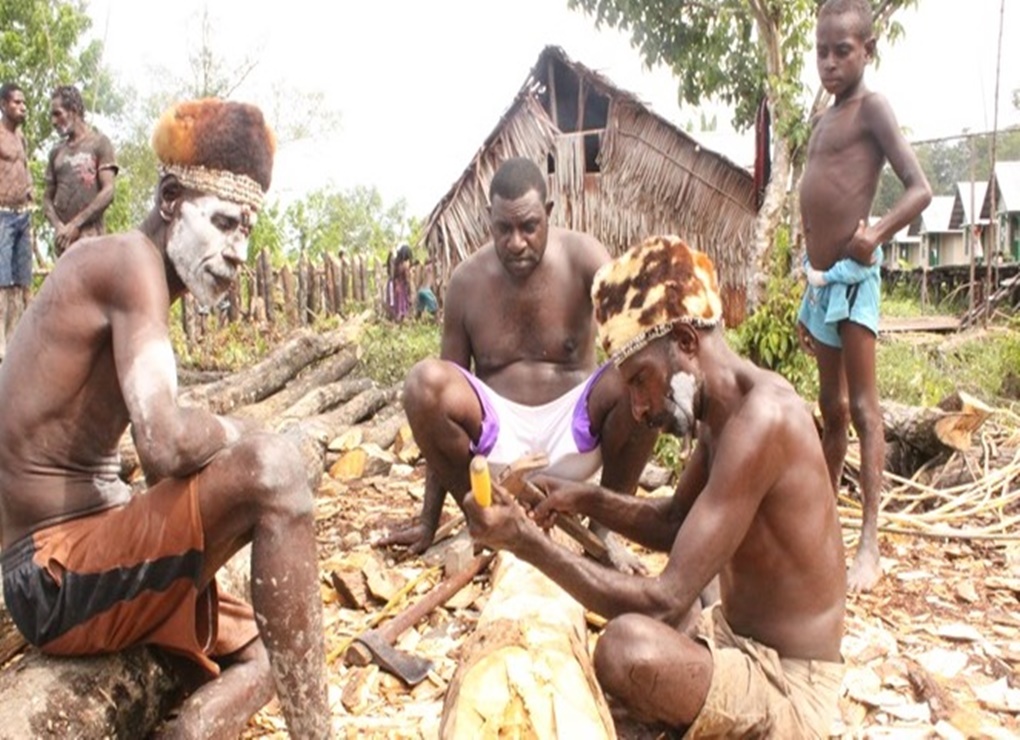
(481, 483)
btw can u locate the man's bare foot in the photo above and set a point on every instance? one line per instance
(415, 537)
(865, 572)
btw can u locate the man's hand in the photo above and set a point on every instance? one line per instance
(807, 342)
(66, 235)
(861, 247)
(501, 525)
(562, 497)
(417, 538)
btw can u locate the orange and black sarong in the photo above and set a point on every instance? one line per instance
(125, 576)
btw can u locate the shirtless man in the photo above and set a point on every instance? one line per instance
(79, 174)
(520, 311)
(838, 322)
(15, 216)
(752, 506)
(88, 568)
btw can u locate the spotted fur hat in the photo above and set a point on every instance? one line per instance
(642, 294)
(218, 147)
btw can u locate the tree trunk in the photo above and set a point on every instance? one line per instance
(916, 434)
(328, 370)
(268, 376)
(322, 399)
(526, 671)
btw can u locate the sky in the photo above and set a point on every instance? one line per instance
(419, 84)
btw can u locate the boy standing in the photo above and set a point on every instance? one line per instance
(838, 322)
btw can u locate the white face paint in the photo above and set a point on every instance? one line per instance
(207, 242)
(683, 387)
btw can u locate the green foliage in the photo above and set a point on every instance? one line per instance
(43, 45)
(670, 452)
(923, 373)
(768, 337)
(948, 162)
(355, 221)
(391, 350)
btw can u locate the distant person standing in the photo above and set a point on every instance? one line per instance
(15, 204)
(398, 288)
(79, 175)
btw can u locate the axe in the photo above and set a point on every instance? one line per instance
(376, 645)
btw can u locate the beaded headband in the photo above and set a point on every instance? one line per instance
(221, 183)
(645, 338)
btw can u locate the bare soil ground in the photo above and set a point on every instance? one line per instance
(933, 652)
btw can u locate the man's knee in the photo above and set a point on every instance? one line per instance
(273, 472)
(865, 414)
(621, 644)
(424, 386)
(835, 412)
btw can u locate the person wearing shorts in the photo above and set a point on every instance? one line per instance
(15, 212)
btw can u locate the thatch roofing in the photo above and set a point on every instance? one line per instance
(617, 171)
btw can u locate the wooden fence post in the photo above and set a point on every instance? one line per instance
(302, 291)
(266, 268)
(289, 298)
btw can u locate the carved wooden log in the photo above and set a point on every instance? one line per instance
(526, 671)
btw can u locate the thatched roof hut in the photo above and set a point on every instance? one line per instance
(616, 170)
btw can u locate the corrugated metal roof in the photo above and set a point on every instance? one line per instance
(1007, 180)
(962, 215)
(936, 217)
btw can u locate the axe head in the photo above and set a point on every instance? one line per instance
(411, 669)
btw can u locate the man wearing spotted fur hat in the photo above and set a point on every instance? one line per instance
(87, 566)
(753, 506)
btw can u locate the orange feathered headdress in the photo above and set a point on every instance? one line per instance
(218, 147)
(651, 287)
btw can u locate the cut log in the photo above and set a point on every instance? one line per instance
(268, 376)
(916, 434)
(313, 435)
(11, 641)
(328, 370)
(122, 695)
(526, 671)
(324, 398)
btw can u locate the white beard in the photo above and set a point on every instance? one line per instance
(683, 389)
(195, 248)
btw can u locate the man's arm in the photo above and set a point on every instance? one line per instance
(712, 531)
(650, 522)
(881, 121)
(171, 441)
(455, 345)
(49, 192)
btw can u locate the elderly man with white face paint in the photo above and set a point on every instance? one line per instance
(87, 566)
(753, 506)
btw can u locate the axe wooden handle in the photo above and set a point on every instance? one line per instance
(358, 654)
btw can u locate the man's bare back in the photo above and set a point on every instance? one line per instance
(59, 449)
(785, 582)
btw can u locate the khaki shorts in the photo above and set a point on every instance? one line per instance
(755, 693)
(125, 576)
